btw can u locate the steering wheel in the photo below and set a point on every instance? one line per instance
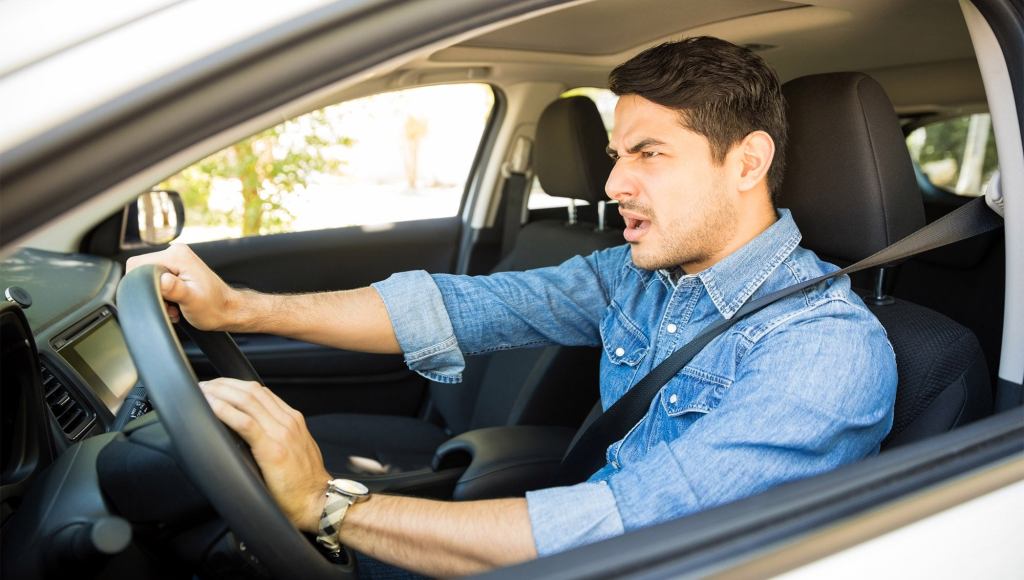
(208, 452)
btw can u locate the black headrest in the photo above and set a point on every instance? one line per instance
(849, 179)
(569, 155)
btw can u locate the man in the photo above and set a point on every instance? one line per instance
(797, 389)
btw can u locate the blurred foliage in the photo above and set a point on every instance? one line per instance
(945, 140)
(265, 166)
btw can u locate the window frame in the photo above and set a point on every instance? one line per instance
(484, 144)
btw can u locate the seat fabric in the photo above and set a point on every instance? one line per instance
(942, 362)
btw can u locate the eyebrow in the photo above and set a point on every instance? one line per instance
(636, 148)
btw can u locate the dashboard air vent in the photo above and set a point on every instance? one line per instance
(73, 417)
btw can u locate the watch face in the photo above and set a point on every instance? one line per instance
(350, 487)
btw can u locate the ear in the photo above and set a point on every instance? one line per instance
(755, 153)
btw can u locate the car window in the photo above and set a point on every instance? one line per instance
(605, 100)
(958, 155)
(396, 156)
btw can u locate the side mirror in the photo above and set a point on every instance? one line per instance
(156, 218)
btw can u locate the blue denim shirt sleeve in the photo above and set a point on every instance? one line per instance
(422, 326)
(563, 304)
(439, 318)
(565, 517)
(811, 395)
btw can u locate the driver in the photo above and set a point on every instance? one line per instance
(796, 389)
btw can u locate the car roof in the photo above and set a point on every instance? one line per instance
(906, 45)
(919, 50)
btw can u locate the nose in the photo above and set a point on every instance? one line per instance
(619, 185)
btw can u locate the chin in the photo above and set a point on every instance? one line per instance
(645, 261)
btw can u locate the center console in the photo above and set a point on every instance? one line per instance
(95, 352)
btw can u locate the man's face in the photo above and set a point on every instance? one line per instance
(679, 205)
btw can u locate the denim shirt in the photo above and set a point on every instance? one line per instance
(801, 387)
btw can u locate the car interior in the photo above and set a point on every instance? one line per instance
(84, 448)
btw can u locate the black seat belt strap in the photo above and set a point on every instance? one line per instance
(586, 453)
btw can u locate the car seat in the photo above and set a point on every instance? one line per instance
(850, 184)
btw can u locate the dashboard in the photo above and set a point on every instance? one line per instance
(77, 479)
(89, 382)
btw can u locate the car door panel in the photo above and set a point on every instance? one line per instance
(333, 259)
(313, 378)
(319, 379)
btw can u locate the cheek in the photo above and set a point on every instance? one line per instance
(676, 195)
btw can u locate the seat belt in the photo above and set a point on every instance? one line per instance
(586, 453)
(513, 192)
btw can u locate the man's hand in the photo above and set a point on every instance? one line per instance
(290, 460)
(431, 537)
(206, 301)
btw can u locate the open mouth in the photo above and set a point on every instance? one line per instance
(636, 224)
(635, 228)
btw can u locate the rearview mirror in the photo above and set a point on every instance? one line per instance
(156, 218)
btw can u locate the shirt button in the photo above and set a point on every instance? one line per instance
(620, 351)
(671, 328)
(672, 400)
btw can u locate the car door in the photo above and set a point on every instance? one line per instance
(332, 200)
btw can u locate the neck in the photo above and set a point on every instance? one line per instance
(752, 219)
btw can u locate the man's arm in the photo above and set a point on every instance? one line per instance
(353, 319)
(430, 537)
(438, 538)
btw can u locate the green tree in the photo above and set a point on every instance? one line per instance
(947, 140)
(267, 165)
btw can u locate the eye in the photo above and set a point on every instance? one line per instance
(649, 154)
(613, 155)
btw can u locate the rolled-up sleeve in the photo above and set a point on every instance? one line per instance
(440, 318)
(565, 517)
(422, 326)
(561, 304)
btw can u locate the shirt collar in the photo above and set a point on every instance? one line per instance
(734, 279)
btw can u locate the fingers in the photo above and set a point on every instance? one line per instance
(175, 258)
(289, 458)
(173, 312)
(249, 398)
(238, 421)
(173, 288)
(200, 295)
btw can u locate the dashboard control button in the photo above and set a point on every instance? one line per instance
(19, 296)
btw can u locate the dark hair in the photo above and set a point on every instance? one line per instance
(722, 91)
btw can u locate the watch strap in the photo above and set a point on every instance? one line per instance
(335, 507)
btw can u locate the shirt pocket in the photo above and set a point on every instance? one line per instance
(624, 342)
(686, 399)
(692, 391)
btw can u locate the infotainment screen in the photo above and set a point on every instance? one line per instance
(100, 356)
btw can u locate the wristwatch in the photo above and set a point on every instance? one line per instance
(341, 494)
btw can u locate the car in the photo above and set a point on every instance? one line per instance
(106, 111)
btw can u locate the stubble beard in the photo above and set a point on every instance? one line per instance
(691, 239)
